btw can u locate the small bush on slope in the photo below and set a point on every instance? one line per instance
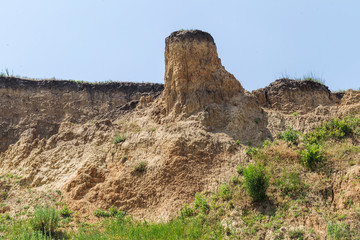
(336, 128)
(201, 203)
(225, 193)
(290, 136)
(256, 181)
(113, 212)
(140, 167)
(311, 156)
(45, 220)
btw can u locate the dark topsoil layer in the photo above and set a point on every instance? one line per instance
(128, 87)
(154, 88)
(289, 84)
(285, 84)
(190, 35)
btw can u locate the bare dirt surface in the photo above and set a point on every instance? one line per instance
(57, 137)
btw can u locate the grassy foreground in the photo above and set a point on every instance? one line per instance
(296, 187)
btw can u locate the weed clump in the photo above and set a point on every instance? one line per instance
(296, 234)
(65, 212)
(250, 151)
(45, 220)
(112, 212)
(311, 156)
(235, 180)
(338, 231)
(225, 193)
(119, 138)
(201, 203)
(240, 169)
(140, 167)
(290, 136)
(256, 181)
(187, 211)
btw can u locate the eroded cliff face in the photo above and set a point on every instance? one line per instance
(44, 105)
(60, 135)
(290, 96)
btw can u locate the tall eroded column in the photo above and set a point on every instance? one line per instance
(194, 76)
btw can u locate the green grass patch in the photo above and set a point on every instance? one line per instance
(45, 220)
(119, 138)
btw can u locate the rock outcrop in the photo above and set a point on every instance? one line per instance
(194, 76)
(288, 95)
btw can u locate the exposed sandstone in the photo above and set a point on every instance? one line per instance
(43, 105)
(350, 102)
(194, 76)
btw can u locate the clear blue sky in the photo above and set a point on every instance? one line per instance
(258, 41)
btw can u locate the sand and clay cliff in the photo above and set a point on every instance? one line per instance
(59, 135)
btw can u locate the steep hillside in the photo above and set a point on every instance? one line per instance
(148, 148)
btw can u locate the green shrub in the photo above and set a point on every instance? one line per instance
(339, 128)
(240, 169)
(250, 151)
(45, 220)
(311, 156)
(256, 181)
(201, 204)
(336, 128)
(65, 212)
(119, 138)
(225, 193)
(235, 180)
(187, 211)
(266, 143)
(113, 212)
(290, 135)
(101, 213)
(140, 167)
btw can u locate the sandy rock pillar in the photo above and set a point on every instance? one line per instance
(194, 76)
